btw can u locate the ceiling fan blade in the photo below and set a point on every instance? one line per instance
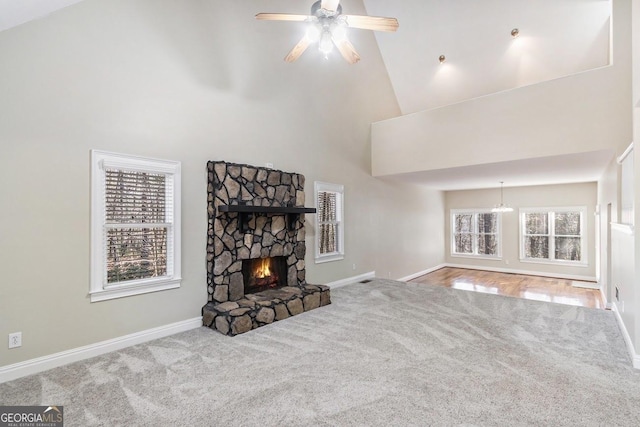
(375, 23)
(298, 50)
(347, 51)
(281, 17)
(331, 5)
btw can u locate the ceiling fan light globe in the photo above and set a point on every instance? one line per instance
(326, 45)
(313, 33)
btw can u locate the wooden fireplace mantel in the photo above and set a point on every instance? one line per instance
(245, 212)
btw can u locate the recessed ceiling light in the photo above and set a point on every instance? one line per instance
(515, 33)
(442, 59)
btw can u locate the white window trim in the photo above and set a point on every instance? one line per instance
(99, 290)
(584, 262)
(627, 194)
(452, 236)
(319, 186)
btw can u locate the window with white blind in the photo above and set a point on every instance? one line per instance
(329, 221)
(553, 235)
(135, 225)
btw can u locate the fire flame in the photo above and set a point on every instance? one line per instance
(263, 269)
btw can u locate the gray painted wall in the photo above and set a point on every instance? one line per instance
(188, 80)
(584, 194)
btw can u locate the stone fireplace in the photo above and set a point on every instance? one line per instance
(256, 248)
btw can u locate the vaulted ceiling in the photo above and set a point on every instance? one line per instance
(16, 12)
(556, 38)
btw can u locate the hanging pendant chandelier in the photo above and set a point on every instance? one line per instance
(501, 207)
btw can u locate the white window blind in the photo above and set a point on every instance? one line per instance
(135, 225)
(327, 211)
(138, 221)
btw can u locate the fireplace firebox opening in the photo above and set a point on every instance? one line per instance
(261, 274)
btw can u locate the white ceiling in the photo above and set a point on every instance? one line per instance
(16, 12)
(557, 38)
(572, 168)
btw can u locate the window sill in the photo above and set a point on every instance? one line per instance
(483, 257)
(552, 262)
(329, 258)
(137, 289)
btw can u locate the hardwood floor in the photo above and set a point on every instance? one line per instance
(514, 285)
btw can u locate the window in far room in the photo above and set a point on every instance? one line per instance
(135, 220)
(475, 233)
(553, 235)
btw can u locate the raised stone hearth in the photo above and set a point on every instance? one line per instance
(262, 308)
(237, 237)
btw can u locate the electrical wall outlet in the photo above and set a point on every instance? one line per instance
(354, 266)
(269, 165)
(15, 340)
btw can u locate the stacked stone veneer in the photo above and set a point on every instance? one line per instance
(266, 236)
(260, 309)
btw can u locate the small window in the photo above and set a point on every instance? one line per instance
(135, 218)
(554, 235)
(329, 222)
(475, 233)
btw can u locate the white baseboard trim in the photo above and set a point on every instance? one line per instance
(350, 280)
(586, 285)
(421, 273)
(635, 358)
(34, 366)
(526, 272)
(607, 304)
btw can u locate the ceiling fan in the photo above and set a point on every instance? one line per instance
(328, 26)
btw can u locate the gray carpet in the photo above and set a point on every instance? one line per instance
(384, 353)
